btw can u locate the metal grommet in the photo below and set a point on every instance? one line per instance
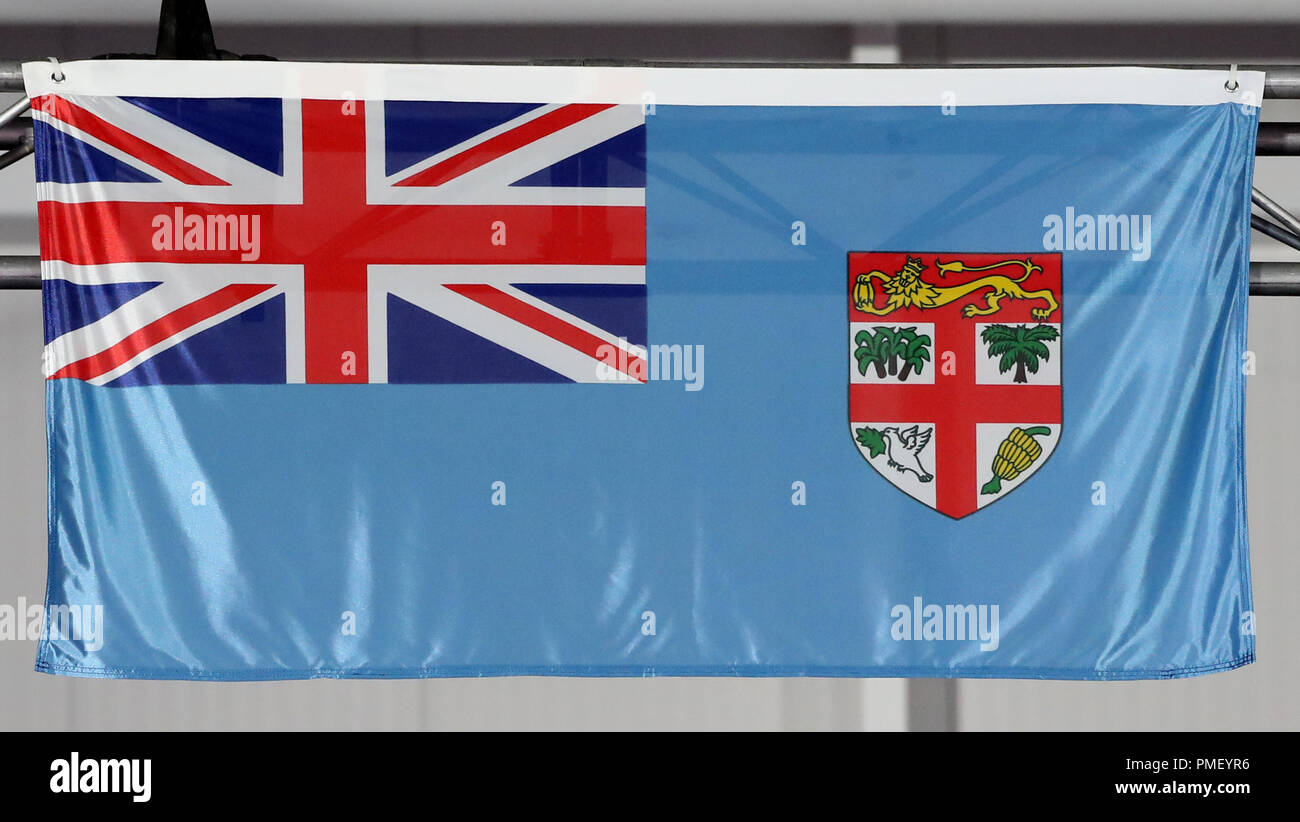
(1232, 85)
(57, 75)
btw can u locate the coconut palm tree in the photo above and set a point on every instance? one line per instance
(870, 352)
(897, 352)
(915, 350)
(1020, 347)
(887, 345)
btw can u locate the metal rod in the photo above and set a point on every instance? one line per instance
(1275, 279)
(1266, 278)
(16, 133)
(1278, 140)
(11, 75)
(20, 272)
(1275, 139)
(11, 113)
(1271, 279)
(1270, 207)
(1280, 82)
(1277, 232)
(14, 155)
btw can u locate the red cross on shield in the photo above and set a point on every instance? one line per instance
(955, 371)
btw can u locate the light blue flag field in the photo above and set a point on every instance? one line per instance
(386, 371)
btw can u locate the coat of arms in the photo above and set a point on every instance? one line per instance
(955, 371)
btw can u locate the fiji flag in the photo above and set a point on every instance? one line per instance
(328, 350)
(327, 241)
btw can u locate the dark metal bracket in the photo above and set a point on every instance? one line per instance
(185, 33)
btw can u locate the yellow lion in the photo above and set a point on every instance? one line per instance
(906, 289)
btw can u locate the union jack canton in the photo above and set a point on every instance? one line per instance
(260, 240)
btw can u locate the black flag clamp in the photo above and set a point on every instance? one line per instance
(185, 33)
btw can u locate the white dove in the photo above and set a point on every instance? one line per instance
(903, 450)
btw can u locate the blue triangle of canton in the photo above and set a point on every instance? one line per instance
(69, 305)
(250, 127)
(619, 162)
(245, 349)
(415, 130)
(618, 308)
(425, 348)
(65, 159)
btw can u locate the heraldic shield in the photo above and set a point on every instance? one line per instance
(955, 371)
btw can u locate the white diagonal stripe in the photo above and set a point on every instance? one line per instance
(249, 183)
(491, 325)
(577, 322)
(176, 141)
(182, 335)
(490, 183)
(476, 140)
(546, 151)
(180, 285)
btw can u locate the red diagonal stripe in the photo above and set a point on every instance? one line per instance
(159, 330)
(504, 143)
(548, 324)
(99, 128)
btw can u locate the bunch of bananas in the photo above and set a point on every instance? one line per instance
(1016, 453)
